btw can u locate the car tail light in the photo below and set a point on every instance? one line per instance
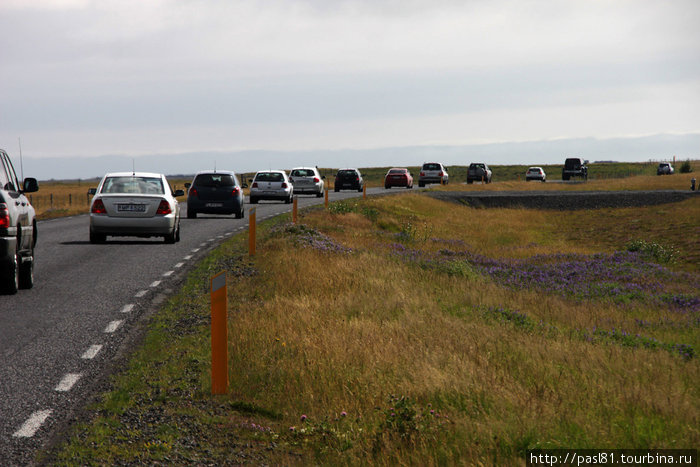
(4, 216)
(442, 174)
(193, 191)
(164, 208)
(422, 174)
(254, 185)
(284, 184)
(316, 180)
(357, 179)
(98, 207)
(234, 192)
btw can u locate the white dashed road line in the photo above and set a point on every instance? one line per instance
(187, 258)
(32, 424)
(179, 265)
(154, 284)
(68, 381)
(113, 326)
(168, 273)
(127, 308)
(195, 250)
(141, 293)
(91, 352)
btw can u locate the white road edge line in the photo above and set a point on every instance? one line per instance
(179, 265)
(91, 352)
(33, 423)
(154, 284)
(127, 308)
(113, 326)
(187, 258)
(141, 293)
(67, 382)
(195, 250)
(168, 273)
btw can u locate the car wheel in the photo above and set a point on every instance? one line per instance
(177, 233)
(253, 200)
(170, 238)
(336, 190)
(11, 281)
(386, 187)
(97, 238)
(191, 214)
(26, 272)
(319, 194)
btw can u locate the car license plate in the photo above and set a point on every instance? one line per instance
(131, 207)
(214, 205)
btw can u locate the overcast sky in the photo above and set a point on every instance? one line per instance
(89, 78)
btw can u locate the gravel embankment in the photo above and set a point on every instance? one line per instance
(563, 200)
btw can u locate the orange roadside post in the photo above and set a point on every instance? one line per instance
(219, 335)
(326, 200)
(251, 232)
(364, 191)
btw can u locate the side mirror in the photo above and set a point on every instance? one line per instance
(30, 185)
(92, 191)
(585, 162)
(250, 180)
(188, 185)
(323, 177)
(179, 193)
(245, 185)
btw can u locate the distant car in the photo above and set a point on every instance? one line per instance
(307, 180)
(433, 172)
(535, 173)
(398, 177)
(214, 192)
(664, 168)
(574, 167)
(271, 185)
(134, 204)
(479, 172)
(18, 232)
(348, 179)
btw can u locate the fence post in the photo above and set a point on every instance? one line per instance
(251, 232)
(70, 199)
(219, 335)
(51, 198)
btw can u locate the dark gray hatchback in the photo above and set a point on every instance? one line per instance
(215, 192)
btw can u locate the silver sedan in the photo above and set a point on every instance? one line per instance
(135, 204)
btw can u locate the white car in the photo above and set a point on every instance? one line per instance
(307, 180)
(271, 184)
(664, 168)
(535, 173)
(433, 172)
(135, 204)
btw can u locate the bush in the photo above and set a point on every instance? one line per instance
(654, 251)
(686, 168)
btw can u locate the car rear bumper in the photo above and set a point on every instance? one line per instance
(431, 179)
(215, 207)
(158, 225)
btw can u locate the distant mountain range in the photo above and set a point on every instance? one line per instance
(640, 149)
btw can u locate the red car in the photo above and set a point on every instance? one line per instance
(398, 177)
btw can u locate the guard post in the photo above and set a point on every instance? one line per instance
(364, 191)
(251, 232)
(295, 210)
(326, 199)
(219, 335)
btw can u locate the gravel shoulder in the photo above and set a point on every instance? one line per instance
(564, 201)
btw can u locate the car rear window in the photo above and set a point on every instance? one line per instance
(397, 171)
(476, 166)
(431, 166)
(303, 173)
(572, 163)
(213, 180)
(269, 177)
(133, 185)
(347, 173)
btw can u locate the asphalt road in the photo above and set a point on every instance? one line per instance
(59, 340)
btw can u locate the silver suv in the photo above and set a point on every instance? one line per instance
(433, 172)
(17, 229)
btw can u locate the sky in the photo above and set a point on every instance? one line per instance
(134, 78)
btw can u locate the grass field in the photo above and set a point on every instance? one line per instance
(403, 330)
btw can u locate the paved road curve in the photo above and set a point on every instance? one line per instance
(59, 339)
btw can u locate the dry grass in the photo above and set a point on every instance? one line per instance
(323, 333)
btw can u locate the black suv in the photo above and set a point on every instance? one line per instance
(574, 167)
(348, 179)
(17, 229)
